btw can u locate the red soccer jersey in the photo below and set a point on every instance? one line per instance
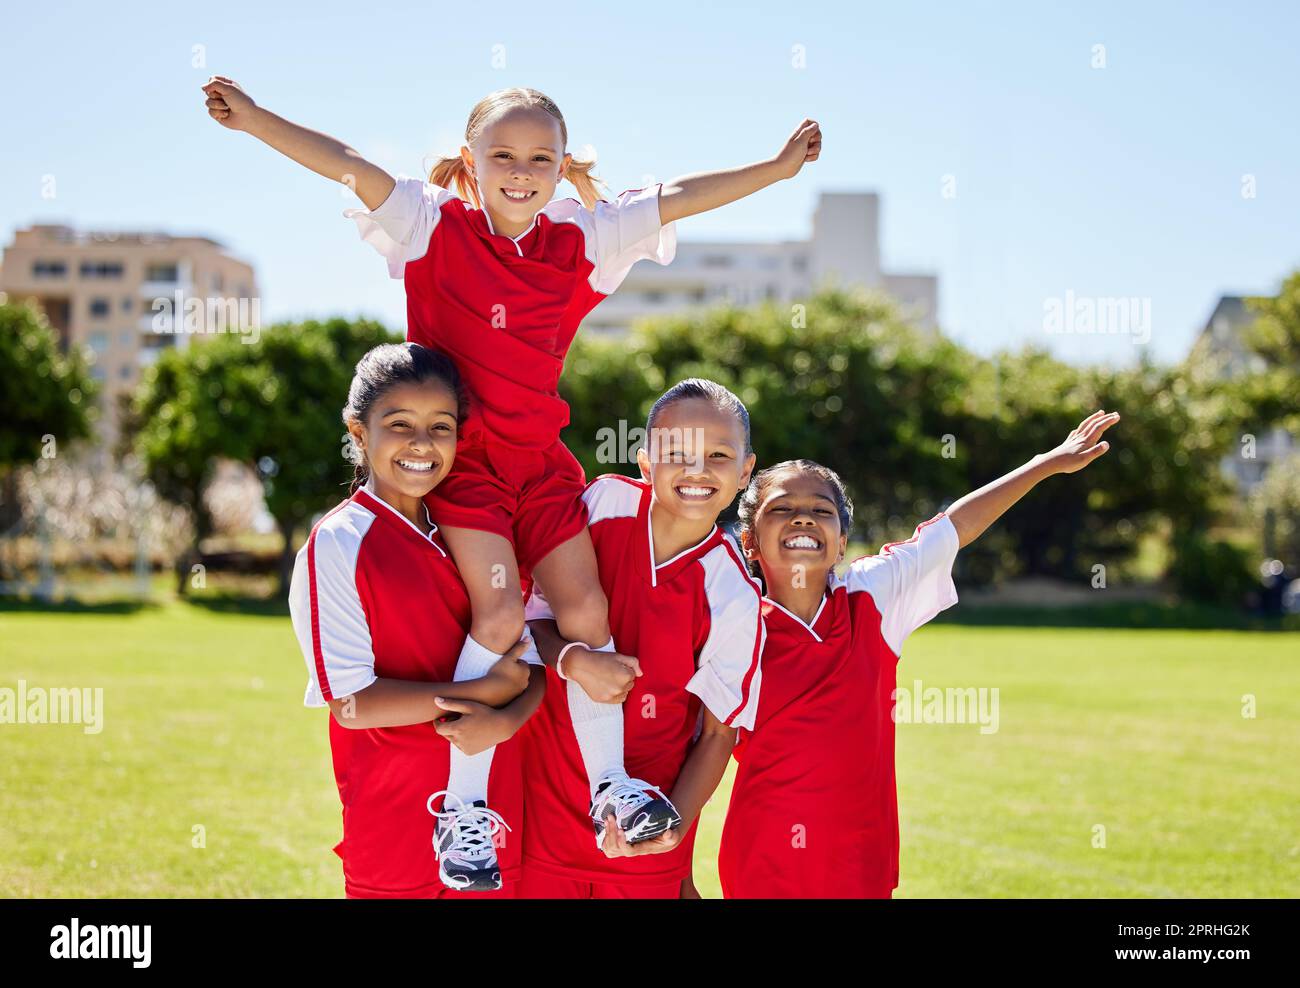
(372, 596)
(694, 623)
(814, 808)
(505, 309)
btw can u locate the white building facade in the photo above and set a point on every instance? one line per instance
(844, 249)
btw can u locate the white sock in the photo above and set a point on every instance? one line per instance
(468, 777)
(599, 729)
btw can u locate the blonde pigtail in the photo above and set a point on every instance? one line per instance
(451, 174)
(581, 177)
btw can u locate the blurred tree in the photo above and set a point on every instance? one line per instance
(1274, 393)
(282, 409)
(47, 398)
(273, 404)
(913, 421)
(176, 433)
(1275, 506)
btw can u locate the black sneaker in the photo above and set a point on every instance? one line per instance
(463, 842)
(642, 810)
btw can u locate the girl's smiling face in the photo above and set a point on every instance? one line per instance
(409, 438)
(695, 459)
(796, 533)
(518, 161)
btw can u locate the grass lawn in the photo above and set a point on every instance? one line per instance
(1138, 732)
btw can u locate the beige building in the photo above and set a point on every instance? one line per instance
(127, 296)
(844, 248)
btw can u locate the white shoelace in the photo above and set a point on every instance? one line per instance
(474, 828)
(626, 794)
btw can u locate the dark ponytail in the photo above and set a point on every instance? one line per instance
(383, 368)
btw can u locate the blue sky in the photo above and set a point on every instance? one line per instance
(1119, 181)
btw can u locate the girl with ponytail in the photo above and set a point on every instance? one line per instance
(381, 612)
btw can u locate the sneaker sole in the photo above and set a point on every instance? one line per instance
(480, 882)
(652, 830)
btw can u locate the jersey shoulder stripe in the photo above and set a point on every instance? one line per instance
(736, 625)
(335, 541)
(612, 495)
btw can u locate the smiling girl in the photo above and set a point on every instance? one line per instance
(687, 625)
(387, 669)
(813, 811)
(498, 275)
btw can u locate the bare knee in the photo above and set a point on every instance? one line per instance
(583, 615)
(498, 620)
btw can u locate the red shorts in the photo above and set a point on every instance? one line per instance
(534, 884)
(531, 497)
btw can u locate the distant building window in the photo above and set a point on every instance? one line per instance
(49, 269)
(715, 261)
(698, 295)
(799, 263)
(101, 269)
(126, 337)
(157, 341)
(97, 373)
(652, 298)
(162, 272)
(770, 294)
(127, 303)
(124, 372)
(98, 341)
(99, 308)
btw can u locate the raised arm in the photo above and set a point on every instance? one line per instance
(975, 512)
(233, 108)
(702, 191)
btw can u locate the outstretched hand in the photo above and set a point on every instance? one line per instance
(804, 145)
(1083, 444)
(227, 103)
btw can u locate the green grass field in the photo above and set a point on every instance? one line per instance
(1139, 732)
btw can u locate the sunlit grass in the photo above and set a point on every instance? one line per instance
(205, 742)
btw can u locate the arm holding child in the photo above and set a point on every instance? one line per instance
(397, 702)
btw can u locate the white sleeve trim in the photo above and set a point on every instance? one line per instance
(910, 582)
(339, 631)
(729, 676)
(401, 227)
(626, 231)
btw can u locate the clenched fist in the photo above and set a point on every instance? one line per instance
(804, 145)
(228, 104)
